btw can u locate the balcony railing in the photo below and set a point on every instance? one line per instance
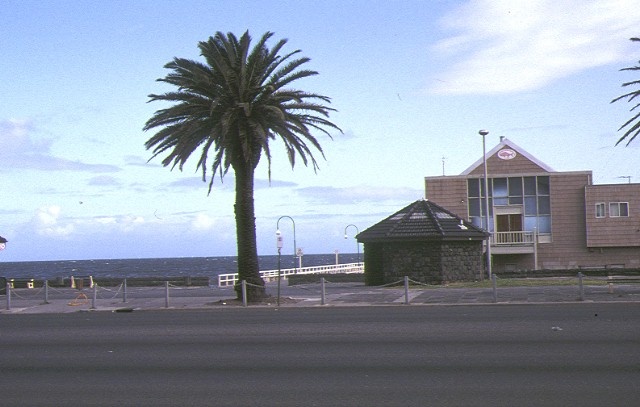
(512, 238)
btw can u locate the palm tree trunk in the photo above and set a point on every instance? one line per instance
(248, 268)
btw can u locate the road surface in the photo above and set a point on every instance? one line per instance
(504, 355)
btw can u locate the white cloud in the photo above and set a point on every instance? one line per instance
(503, 46)
(46, 223)
(22, 150)
(203, 222)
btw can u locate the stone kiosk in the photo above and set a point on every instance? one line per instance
(425, 242)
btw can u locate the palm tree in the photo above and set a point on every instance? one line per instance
(232, 106)
(632, 125)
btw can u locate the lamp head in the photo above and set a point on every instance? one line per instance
(483, 132)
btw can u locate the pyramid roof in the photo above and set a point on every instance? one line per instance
(422, 220)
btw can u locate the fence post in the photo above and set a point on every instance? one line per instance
(46, 291)
(494, 286)
(166, 294)
(580, 287)
(124, 290)
(95, 296)
(322, 291)
(8, 291)
(244, 293)
(406, 290)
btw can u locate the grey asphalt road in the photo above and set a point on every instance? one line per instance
(508, 355)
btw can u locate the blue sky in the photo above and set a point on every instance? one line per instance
(413, 82)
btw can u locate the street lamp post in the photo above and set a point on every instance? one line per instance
(279, 243)
(357, 244)
(483, 133)
(295, 247)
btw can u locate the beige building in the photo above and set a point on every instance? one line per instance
(543, 219)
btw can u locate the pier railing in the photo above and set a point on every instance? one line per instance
(226, 280)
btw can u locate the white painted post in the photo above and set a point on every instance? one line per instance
(46, 291)
(322, 291)
(406, 290)
(166, 294)
(124, 290)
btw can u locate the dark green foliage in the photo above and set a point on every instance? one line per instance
(229, 108)
(632, 125)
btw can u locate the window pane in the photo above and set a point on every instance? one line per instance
(515, 186)
(599, 210)
(500, 201)
(474, 207)
(500, 187)
(543, 185)
(530, 223)
(530, 206)
(515, 200)
(624, 209)
(544, 224)
(473, 187)
(614, 209)
(544, 205)
(529, 185)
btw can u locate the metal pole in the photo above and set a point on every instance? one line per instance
(244, 293)
(483, 133)
(166, 294)
(535, 248)
(124, 290)
(95, 295)
(406, 290)
(295, 247)
(494, 286)
(8, 291)
(322, 291)
(357, 243)
(580, 287)
(279, 276)
(46, 291)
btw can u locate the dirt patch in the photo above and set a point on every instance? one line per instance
(269, 301)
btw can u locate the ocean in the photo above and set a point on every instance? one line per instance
(158, 267)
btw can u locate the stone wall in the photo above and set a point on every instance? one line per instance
(432, 262)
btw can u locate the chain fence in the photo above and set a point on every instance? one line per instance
(122, 297)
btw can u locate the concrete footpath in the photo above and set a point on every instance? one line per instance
(65, 300)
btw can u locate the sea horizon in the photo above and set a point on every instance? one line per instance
(160, 266)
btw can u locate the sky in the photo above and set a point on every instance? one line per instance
(412, 81)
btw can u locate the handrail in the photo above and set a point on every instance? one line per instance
(516, 238)
(231, 279)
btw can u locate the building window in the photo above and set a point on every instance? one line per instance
(600, 210)
(618, 209)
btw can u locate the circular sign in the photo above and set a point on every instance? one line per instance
(506, 154)
(2, 246)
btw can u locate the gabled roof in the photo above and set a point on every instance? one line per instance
(505, 142)
(422, 220)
